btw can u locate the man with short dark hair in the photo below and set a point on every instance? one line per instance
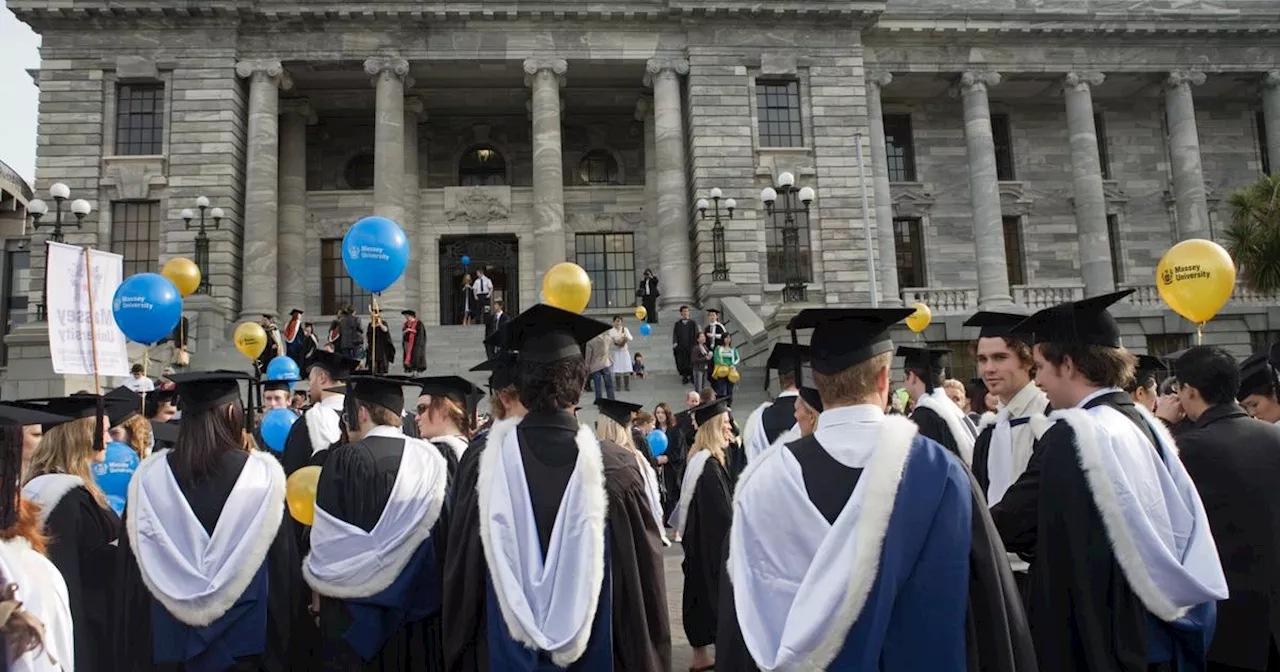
(938, 417)
(1235, 463)
(1260, 385)
(774, 422)
(494, 324)
(715, 332)
(684, 336)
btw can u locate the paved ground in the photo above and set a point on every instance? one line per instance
(681, 654)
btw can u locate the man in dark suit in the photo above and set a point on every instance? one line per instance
(648, 293)
(1235, 462)
(492, 325)
(684, 336)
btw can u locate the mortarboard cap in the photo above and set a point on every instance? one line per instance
(337, 366)
(843, 337)
(1083, 322)
(618, 411)
(992, 324)
(457, 388)
(547, 334)
(503, 370)
(785, 357)
(165, 433)
(203, 390)
(1258, 375)
(73, 407)
(711, 409)
(17, 413)
(408, 313)
(385, 391)
(809, 390)
(295, 311)
(276, 385)
(931, 361)
(121, 404)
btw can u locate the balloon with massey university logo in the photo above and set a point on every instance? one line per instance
(375, 252)
(114, 473)
(1196, 278)
(283, 368)
(147, 307)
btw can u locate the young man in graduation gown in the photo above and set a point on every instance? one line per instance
(1123, 576)
(321, 426)
(378, 537)
(775, 420)
(554, 559)
(295, 341)
(935, 414)
(414, 343)
(209, 573)
(1235, 463)
(382, 351)
(889, 560)
(684, 336)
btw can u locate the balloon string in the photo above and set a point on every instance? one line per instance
(1200, 333)
(373, 335)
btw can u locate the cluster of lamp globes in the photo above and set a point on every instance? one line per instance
(59, 192)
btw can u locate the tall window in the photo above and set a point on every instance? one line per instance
(337, 289)
(139, 119)
(482, 167)
(1004, 147)
(598, 167)
(135, 235)
(774, 258)
(1014, 256)
(1104, 158)
(1117, 247)
(1262, 142)
(778, 106)
(610, 261)
(13, 300)
(908, 244)
(899, 147)
(359, 171)
(1159, 345)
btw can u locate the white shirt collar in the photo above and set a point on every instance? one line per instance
(1098, 393)
(833, 418)
(385, 431)
(849, 433)
(333, 402)
(788, 393)
(1024, 402)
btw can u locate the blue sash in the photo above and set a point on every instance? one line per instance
(509, 655)
(242, 631)
(412, 597)
(1184, 642)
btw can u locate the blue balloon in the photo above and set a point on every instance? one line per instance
(275, 427)
(657, 442)
(466, 260)
(375, 252)
(147, 307)
(283, 368)
(114, 473)
(646, 329)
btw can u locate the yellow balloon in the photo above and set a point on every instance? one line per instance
(567, 287)
(1196, 278)
(251, 339)
(641, 312)
(183, 273)
(919, 320)
(721, 371)
(300, 493)
(734, 376)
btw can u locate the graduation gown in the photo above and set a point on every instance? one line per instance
(704, 536)
(678, 442)
(312, 435)
(414, 346)
(684, 335)
(381, 351)
(956, 436)
(636, 617)
(139, 632)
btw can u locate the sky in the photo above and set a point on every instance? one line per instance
(19, 97)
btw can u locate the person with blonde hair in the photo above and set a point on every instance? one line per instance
(614, 424)
(702, 519)
(444, 414)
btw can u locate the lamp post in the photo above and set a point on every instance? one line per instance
(793, 202)
(719, 258)
(59, 192)
(202, 238)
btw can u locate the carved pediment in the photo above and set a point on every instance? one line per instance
(1113, 193)
(1016, 198)
(134, 176)
(911, 199)
(477, 205)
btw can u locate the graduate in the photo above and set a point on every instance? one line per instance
(554, 560)
(808, 405)
(444, 414)
(1147, 374)
(614, 424)
(377, 539)
(504, 400)
(414, 343)
(702, 519)
(889, 560)
(321, 426)
(209, 571)
(775, 420)
(295, 339)
(1260, 387)
(1123, 575)
(935, 414)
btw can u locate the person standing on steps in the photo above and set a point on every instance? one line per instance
(648, 293)
(600, 365)
(493, 325)
(727, 356)
(414, 342)
(620, 353)
(715, 332)
(483, 289)
(684, 338)
(468, 300)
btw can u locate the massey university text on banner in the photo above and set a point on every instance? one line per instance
(71, 339)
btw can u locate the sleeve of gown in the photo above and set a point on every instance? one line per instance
(339, 490)
(132, 615)
(731, 648)
(284, 581)
(65, 528)
(641, 623)
(715, 515)
(465, 573)
(297, 447)
(1017, 514)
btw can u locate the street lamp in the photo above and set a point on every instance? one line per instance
(719, 259)
(202, 238)
(59, 192)
(794, 201)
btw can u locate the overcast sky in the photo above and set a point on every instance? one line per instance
(19, 50)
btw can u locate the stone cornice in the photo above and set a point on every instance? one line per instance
(1098, 23)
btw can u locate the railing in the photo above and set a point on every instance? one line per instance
(943, 300)
(1037, 298)
(962, 300)
(1248, 297)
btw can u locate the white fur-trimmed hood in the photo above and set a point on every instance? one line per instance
(961, 431)
(47, 491)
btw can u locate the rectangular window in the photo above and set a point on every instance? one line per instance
(775, 260)
(610, 261)
(1261, 341)
(1262, 143)
(899, 147)
(337, 289)
(135, 235)
(17, 265)
(1104, 158)
(1159, 345)
(963, 367)
(778, 108)
(908, 244)
(139, 119)
(1014, 257)
(1117, 247)
(1004, 147)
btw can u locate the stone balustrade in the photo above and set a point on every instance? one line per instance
(943, 301)
(1036, 298)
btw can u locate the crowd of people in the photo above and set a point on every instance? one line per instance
(1109, 512)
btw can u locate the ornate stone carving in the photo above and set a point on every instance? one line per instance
(660, 66)
(1082, 81)
(1271, 79)
(477, 205)
(1178, 78)
(393, 66)
(299, 106)
(134, 176)
(1015, 198)
(413, 105)
(978, 80)
(545, 67)
(879, 78)
(911, 199)
(246, 69)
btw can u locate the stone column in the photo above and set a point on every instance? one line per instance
(413, 115)
(984, 190)
(390, 75)
(1086, 180)
(675, 261)
(886, 250)
(545, 76)
(294, 119)
(1271, 116)
(1184, 154)
(261, 185)
(644, 114)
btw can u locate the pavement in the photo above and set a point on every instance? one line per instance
(681, 652)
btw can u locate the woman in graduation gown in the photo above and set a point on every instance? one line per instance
(209, 573)
(614, 424)
(702, 519)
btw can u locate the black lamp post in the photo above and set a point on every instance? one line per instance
(719, 257)
(793, 201)
(59, 192)
(202, 239)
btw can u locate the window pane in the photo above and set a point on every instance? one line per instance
(899, 148)
(139, 119)
(1117, 247)
(337, 290)
(908, 243)
(135, 235)
(775, 225)
(1104, 160)
(1013, 253)
(482, 166)
(1004, 147)
(778, 109)
(610, 262)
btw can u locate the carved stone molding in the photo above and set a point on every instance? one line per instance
(272, 69)
(659, 66)
(545, 67)
(393, 66)
(911, 199)
(1179, 78)
(299, 106)
(477, 205)
(1212, 197)
(978, 80)
(1082, 81)
(1271, 79)
(879, 78)
(1015, 198)
(413, 105)
(132, 177)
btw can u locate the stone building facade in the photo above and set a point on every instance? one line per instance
(1011, 151)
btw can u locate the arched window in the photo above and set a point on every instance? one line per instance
(359, 171)
(482, 166)
(598, 167)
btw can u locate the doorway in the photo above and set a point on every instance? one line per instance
(498, 255)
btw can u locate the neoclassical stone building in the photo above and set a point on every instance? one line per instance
(1013, 150)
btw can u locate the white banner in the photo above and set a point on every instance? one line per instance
(71, 334)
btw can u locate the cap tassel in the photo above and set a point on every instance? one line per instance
(98, 429)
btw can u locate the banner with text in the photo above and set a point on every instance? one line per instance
(72, 334)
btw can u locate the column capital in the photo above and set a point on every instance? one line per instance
(658, 65)
(413, 105)
(272, 69)
(1179, 78)
(879, 78)
(1271, 79)
(299, 106)
(393, 66)
(553, 67)
(1082, 80)
(978, 80)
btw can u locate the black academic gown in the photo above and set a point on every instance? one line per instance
(684, 335)
(355, 488)
(779, 417)
(381, 350)
(298, 451)
(933, 426)
(415, 353)
(705, 541)
(640, 628)
(678, 442)
(80, 545)
(134, 641)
